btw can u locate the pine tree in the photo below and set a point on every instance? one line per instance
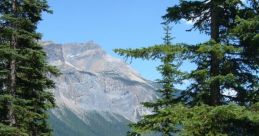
(24, 72)
(168, 54)
(223, 66)
(226, 63)
(220, 61)
(246, 33)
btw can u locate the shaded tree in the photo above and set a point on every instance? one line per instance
(24, 72)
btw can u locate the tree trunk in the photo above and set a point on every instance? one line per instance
(12, 75)
(214, 70)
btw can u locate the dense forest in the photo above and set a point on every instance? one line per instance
(221, 97)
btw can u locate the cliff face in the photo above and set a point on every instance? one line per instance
(94, 82)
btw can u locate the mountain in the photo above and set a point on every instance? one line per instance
(96, 95)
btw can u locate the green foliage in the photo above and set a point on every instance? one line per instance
(6, 130)
(231, 119)
(24, 72)
(222, 98)
(166, 53)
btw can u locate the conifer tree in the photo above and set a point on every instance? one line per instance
(220, 61)
(227, 63)
(24, 72)
(168, 54)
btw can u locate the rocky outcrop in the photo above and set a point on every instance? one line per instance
(93, 81)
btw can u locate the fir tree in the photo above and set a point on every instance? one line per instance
(24, 72)
(228, 62)
(168, 54)
(220, 61)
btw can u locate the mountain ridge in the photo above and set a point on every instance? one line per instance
(93, 81)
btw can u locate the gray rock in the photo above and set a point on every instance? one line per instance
(94, 82)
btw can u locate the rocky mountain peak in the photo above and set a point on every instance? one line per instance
(92, 80)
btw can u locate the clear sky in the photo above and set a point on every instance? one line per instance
(114, 24)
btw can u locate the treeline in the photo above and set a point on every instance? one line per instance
(223, 95)
(24, 71)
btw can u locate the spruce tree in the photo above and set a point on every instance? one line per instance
(24, 72)
(221, 61)
(168, 54)
(227, 63)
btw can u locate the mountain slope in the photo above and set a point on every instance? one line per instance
(94, 124)
(96, 94)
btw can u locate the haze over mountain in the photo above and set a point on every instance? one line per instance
(96, 95)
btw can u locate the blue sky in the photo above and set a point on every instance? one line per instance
(114, 24)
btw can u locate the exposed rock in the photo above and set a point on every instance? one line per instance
(93, 81)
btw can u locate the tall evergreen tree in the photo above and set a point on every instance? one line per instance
(24, 72)
(247, 65)
(223, 96)
(220, 62)
(168, 54)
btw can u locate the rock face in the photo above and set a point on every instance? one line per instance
(95, 85)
